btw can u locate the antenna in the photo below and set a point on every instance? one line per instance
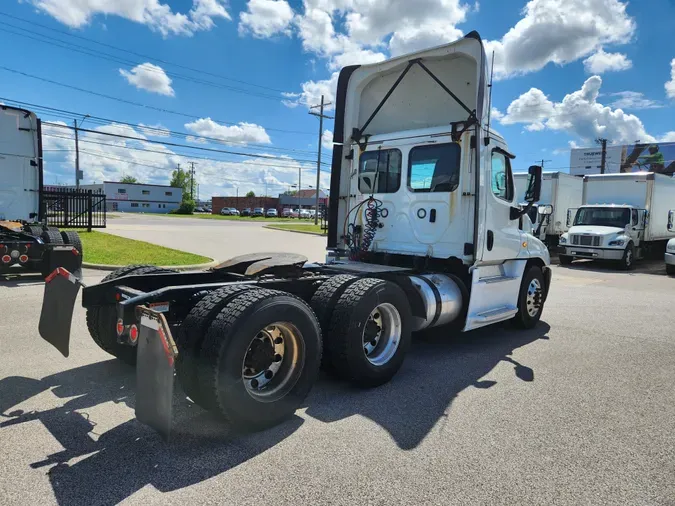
(492, 73)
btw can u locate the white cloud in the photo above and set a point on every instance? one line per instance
(601, 62)
(156, 15)
(633, 100)
(531, 107)
(670, 85)
(265, 18)
(312, 91)
(355, 56)
(243, 133)
(560, 31)
(157, 130)
(579, 114)
(149, 77)
(327, 140)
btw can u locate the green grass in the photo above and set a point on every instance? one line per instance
(227, 218)
(298, 227)
(107, 249)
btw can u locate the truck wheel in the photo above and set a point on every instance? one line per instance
(73, 238)
(101, 321)
(670, 270)
(627, 262)
(530, 299)
(323, 303)
(34, 230)
(370, 332)
(565, 259)
(191, 334)
(263, 352)
(51, 237)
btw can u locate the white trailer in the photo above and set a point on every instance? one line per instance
(623, 218)
(560, 192)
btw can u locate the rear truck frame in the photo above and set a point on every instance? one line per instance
(22, 250)
(424, 231)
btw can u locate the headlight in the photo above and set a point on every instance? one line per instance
(617, 242)
(671, 247)
(563, 240)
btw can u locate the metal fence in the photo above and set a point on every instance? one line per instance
(72, 208)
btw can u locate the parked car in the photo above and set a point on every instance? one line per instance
(246, 212)
(305, 214)
(271, 213)
(295, 213)
(258, 211)
(286, 213)
(226, 211)
(199, 210)
(234, 211)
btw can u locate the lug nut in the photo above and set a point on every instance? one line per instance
(254, 383)
(269, 374)
(278, 340)
(277, 358)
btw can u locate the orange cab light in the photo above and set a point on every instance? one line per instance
(120, 327)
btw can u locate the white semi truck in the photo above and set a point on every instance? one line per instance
(624, 217)
(560, 192)
(424, 230)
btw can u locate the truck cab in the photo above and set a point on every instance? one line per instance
(603, 232)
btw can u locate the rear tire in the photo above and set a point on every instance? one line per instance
(102, 320)
(530, 299)
(259, 333)
(191, 335)
(370, 332)
(670, 270)
(323, 304)
(72, 238)
(52, 236)
(34, 230)
(565, 259)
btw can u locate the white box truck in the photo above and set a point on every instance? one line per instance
(623, 218)
(560, 192)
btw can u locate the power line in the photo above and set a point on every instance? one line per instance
(131, 102)
(181, 155)
(33, 24)
(172, 133)
(172, 144)
(53, 42)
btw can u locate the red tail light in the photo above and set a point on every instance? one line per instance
(23, 259)
(6, 259)
(133, 334)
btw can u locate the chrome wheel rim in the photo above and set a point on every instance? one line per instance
(629, 257)
(382, 334)
(533, 300)
(273, 362)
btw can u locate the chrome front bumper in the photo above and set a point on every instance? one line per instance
(593, 253)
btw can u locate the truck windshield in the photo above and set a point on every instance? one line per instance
(603, 216)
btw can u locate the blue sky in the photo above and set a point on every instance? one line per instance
(567, 72)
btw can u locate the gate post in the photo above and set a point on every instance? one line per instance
(89, 210)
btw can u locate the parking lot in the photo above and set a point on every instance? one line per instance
(578, 410)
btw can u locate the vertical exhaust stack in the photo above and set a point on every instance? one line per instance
(443, 299)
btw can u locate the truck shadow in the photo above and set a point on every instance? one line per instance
(108, 466)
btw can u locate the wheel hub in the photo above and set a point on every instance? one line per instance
(381, 334)
(534, 298)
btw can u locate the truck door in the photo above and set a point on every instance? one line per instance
(503, 239)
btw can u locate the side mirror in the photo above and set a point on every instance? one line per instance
(671, 221)
(546, 210)
(533, 193)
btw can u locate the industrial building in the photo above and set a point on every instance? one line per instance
(138, 197)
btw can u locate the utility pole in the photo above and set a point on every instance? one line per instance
(603, 159)
(192, 181)
(542, 162)
(321, 116)
(77, 157)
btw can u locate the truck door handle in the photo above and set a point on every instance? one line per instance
(490, 240)
(432, 216)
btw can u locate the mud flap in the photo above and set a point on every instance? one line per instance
(155, 360)
(66, 257)
(58, 303)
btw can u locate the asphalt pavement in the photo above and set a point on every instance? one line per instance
(577, 411)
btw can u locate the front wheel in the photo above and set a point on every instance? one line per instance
(530, 299)
(565, 259)
(627, 261)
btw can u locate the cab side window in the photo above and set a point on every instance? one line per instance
(500, 177)
(634, 217)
